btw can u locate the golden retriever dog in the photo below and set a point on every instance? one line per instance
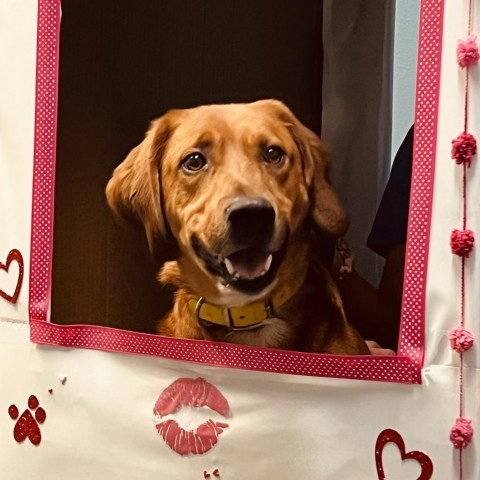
(235, 194)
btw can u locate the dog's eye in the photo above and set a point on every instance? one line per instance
(193, 162)
(274, 154)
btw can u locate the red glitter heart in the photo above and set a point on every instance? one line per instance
(390, 435)
(16, 256)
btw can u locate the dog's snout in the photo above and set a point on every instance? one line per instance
(251, 220)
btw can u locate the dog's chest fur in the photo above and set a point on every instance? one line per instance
(312, 321)
(273, 333)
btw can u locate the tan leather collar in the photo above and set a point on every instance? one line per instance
(245, 317)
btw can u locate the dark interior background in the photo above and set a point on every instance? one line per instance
(123, 63)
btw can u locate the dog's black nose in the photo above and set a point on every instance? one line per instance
(251, 220)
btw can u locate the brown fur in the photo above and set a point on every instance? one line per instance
(151, 188)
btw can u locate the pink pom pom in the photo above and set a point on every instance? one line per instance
(461, 339)
(461, 242)
(461, 433)
(464, 147)
(467, 51)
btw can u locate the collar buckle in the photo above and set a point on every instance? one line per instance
(269, 313)
(196, 312)
(228, 320)
(269, 310)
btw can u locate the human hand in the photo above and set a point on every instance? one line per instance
(376, 349)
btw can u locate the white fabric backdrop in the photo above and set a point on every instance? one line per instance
(18, 25)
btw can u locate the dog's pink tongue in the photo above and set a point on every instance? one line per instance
(250, 264)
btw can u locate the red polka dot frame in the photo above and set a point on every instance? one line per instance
(403, 368)
(412, 328)
(48, 40)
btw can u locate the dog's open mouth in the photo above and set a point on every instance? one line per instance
(248, 264)
(248, 270)
(251, 270)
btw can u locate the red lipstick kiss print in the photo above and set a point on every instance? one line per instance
(393, 436)
(13, 256)
(27, 426)
(195, 393)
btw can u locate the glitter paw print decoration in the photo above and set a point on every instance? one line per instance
(28, 425)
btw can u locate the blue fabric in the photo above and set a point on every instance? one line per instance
(390, 224)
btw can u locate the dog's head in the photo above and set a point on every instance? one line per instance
(233, 188)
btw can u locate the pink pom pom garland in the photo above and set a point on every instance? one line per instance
(461, 339)
(467, 51)
(464, 147)
(461, 433)
(461, 242)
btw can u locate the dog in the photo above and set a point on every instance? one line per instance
(234, 193)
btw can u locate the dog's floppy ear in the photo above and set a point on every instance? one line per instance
(134, 191)
(327, 212)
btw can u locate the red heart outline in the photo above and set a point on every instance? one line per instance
(13, 256)
(390, 435)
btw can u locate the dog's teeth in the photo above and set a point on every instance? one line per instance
(268, 263)
(230, 268)
(266, 268)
